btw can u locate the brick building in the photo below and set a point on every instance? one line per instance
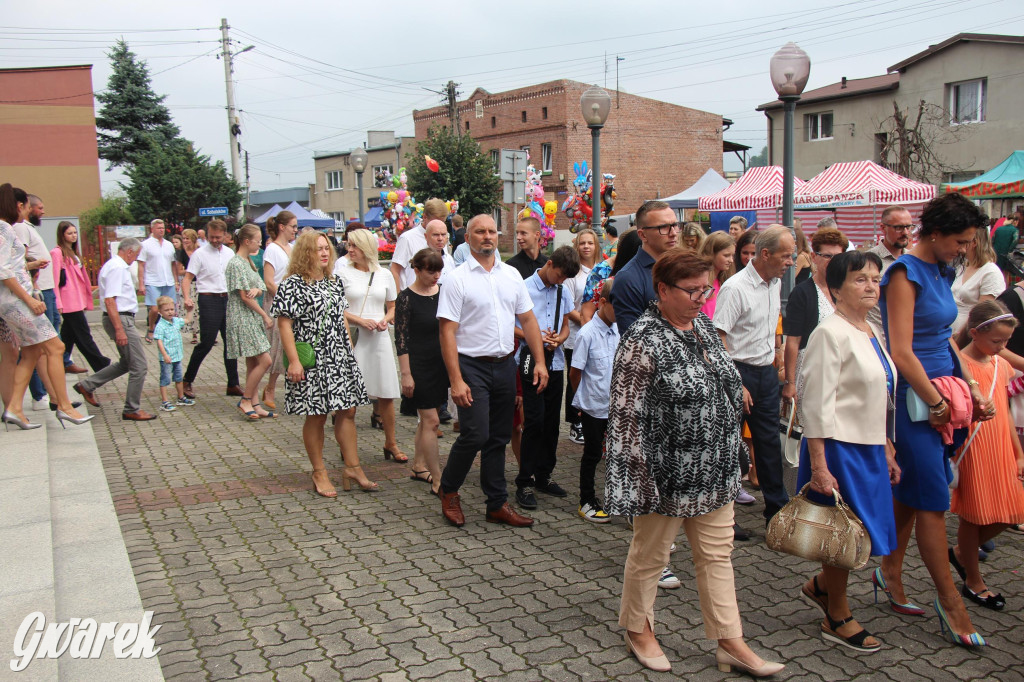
(48, 128)
(655, 149)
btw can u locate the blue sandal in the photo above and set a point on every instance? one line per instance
(251, 415)
(270, 413)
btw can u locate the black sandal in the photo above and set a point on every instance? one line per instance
(817, 597)
(992, 601)
(417, 477)
(854, 641)
(955, 563)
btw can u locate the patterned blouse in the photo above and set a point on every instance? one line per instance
(673, 442)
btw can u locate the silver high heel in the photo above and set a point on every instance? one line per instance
(64, 416)
(9, 418)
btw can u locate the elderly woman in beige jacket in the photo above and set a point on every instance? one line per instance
(850, 381)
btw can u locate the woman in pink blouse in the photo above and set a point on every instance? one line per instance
(74, 296)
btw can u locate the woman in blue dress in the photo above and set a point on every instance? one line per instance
(918, 311)
(850, 380)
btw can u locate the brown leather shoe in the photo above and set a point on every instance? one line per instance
(451, 509)
(75, 369)
(455, 426)
(235, 391)
(509, 516)
(186, 388)
(87, 395)
(139, 416)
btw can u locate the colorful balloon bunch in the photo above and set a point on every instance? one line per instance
(537, 207)
(579, 206)
(401, 211)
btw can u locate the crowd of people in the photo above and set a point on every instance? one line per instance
(668, 356)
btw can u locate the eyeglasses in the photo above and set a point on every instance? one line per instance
(667, 228)
(900, 228)
(826, 256)
(695, 294)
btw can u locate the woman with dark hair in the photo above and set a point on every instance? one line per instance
(629, 244)
(25, 326)
(281, 230)
(850, 380)
(672, 451)
(918, 311)
(74, 296)
(745, 249)
(424, 376)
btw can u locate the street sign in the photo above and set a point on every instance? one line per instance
(212, 211)
(513, 174)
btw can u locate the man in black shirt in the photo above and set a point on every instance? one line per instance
(458, 231)
(529, 259)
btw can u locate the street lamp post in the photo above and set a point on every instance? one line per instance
(358, 159)
(790, 68)
(596, 104)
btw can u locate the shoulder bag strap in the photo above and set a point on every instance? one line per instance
(368, 287)
(991, 392)
(558, 308)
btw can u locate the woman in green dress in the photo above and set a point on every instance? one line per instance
(247, 322)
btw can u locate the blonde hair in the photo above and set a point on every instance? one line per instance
(693, 230)
(983, 251)
(597, 243)
(716, 242)
(434, 209)
(305, 262)
(367, 245)
(164, 300)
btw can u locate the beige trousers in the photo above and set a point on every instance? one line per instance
(710, 537)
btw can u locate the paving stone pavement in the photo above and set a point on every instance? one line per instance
(254, 576)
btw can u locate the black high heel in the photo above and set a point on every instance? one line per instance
(375, 421)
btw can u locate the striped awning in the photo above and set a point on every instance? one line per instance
(760, 187)
(860, 183)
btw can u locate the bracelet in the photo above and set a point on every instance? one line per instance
(973, 382)
(940, 411)
(941, 400)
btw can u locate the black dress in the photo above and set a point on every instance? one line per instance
(417, 335)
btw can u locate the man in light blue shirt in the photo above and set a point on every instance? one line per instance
(591, 377)
(551, 307)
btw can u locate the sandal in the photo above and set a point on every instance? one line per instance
(417, 476)
(957, 566)
(854, 641)
(396, 455)
(375, 421)
(251, 415)
(817, 597)
(992, 601)
(149, 338)
(327, 490)
(270, 414)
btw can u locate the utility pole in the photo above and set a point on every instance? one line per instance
(234, 129)
(617, 60)
(248, 188)
(453, 108)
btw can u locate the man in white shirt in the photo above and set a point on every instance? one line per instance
(412, 240)
(156, 273)
(477, 311)
(119, 308)
(747, 316)
(206, 267)
(436, 237)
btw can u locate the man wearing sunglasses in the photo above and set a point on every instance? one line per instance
(896, 228)
(658, 228)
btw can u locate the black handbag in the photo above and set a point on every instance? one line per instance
(526, 360)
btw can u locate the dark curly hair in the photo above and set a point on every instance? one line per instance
(951, 214)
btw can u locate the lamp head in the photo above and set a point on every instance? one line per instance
(358, 157)
(790, 68)
(596, 105)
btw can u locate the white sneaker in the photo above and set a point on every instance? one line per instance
(668, 579)
(576, 433)
(41, 404)
(592, 512)
(745, 498)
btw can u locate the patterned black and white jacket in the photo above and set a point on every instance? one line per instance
(673, 443)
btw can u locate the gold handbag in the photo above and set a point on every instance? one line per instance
(821, 533)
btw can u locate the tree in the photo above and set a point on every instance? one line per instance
(131, 112)
(173, 182)
(112, 210)
(912, 142)
(759, 159)
(465, 174)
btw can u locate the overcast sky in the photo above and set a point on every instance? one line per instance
(321, 73)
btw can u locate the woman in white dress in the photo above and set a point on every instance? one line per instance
(281, 229)
(981, 280)
(371, 295)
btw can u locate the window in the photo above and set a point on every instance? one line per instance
(496, 159)
(545, 156)
(524, 117)
(380, 174)
(967, 101)
(961, 176)
(494, 122)
(333, 180)
(544, 113)
(467, 125)
(338, 216)
(819, 126)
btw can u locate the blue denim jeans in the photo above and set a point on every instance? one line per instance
(167, 369)
(35, 384)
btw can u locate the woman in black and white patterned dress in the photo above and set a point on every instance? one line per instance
(310, 307)
(673, 460)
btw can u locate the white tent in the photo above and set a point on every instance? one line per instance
(709, 183)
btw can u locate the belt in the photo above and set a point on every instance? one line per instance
(495, 359)
(217, 295)
(122, 312)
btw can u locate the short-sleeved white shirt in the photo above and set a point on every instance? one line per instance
(485, 305)
(276, 256)
(409, 242)
(748, 312)
(115, 281)
(35, 249)
(158, 255)
(985, 281)
(207, 265)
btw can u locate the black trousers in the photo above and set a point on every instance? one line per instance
(212, 320)
(485, 427)
(593, 447)
(572, 415)
(74, 331)
(540, 430)
(763, 420)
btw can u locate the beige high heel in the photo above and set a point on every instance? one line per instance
(726, 662)
(327, 489)
(658, 664)
(366, 484)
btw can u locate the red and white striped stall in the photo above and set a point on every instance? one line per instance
(759, 188)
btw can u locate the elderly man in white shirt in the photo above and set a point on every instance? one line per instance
(477, 310)
(206, 267)
(156, 272)
(120, 306)
(747, 316)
